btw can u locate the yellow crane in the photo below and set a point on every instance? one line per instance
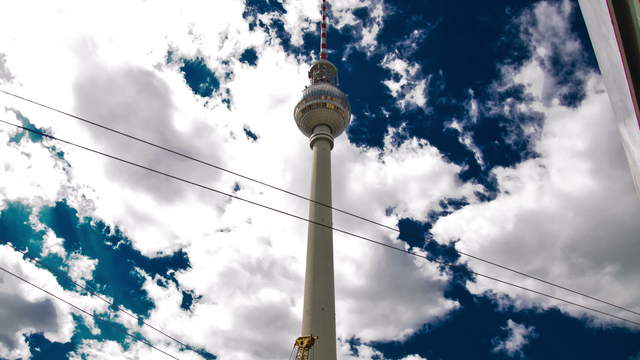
(302, 347)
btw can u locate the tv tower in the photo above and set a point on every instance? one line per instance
(322, 114)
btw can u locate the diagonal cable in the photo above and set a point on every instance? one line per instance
(85, 312)
(453, 267)
(94, 292)
(206, 163)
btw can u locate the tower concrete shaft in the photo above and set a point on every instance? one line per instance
(322, 114)
(318, 318)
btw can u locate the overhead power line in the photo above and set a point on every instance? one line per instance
(94, 292)
(85, 312)
(451, 266)
(206, 163)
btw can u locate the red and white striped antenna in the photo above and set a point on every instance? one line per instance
(323, 32)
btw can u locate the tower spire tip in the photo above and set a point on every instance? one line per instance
(323, 31)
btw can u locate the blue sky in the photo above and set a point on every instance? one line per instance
(477, 126)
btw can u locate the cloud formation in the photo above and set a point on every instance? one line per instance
(518, 335)
(573, 205)
(246, 264)
(5, 74)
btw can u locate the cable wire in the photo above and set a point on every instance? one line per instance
(142, 340)
(93, 292)
(345, 212)
(453, 267)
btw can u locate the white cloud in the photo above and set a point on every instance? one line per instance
(246, 262)
(465, 137)
(369, 293)
(5, 74)
(410, 87)
(301, 17)
(518, 336)
(304, 16)
(93, 349)
(370, 33)
(25, 166)
(546, 28)
(573, 207)
(81, 268)
(366, 352)
(52, 244)
(367, 31)
(26, 310)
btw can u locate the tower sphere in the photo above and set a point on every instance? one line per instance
(322, 102)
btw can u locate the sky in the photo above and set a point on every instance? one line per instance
(477, 126)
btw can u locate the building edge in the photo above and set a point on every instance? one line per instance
(613, 58)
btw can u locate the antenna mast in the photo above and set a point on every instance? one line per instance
(323, 32)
